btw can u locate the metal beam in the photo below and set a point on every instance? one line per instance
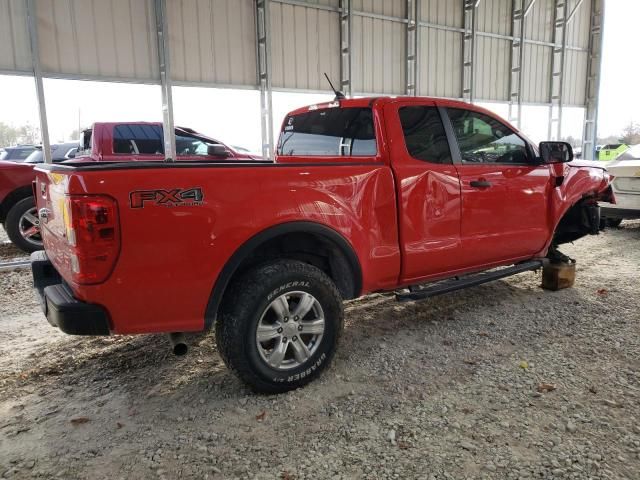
(517, 57)
(263, 57)
(590, 132)
(162, 35)
(37, 75)
(557, 69)
(412, 45)
(529, 7)
(469, 48)
(346, 15)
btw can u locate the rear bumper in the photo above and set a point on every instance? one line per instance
(62, 310)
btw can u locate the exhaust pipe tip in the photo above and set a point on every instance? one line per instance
(178, 344)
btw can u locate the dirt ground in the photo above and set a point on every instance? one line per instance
(499, 381)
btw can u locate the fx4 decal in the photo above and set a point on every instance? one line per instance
(176, 197)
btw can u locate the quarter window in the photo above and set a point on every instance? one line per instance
(329, 132)
(424, 134)
(483, 139)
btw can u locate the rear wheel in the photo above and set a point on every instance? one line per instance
(23, 225)
(279, 325)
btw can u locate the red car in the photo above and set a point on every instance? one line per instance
(366, 195)
(141, 141)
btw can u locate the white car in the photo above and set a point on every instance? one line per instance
(626, 188)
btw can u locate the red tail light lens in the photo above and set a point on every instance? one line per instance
(93, 233)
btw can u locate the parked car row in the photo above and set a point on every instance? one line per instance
(131, 141)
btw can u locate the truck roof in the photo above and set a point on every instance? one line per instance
(379, 101)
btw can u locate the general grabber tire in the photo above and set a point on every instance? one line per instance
(279, 325)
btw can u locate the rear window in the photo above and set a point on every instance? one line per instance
(424, 134)
(329, 132)
(138, 139)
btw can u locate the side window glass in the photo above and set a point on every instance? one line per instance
(187, 145)
(482, 139)
(424, 134)
(135, 139)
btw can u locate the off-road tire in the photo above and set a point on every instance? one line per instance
(245, 301)
(11, 225)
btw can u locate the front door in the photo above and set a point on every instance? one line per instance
(504, 190)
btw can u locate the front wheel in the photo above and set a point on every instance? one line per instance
(23, 225)
(279, 325)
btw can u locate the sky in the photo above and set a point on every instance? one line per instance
(233, 116)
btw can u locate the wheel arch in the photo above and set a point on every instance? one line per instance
(296, 240)
(12, 198)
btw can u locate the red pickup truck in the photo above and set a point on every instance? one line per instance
(365, 195)
(114, 141)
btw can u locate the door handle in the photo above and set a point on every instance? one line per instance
(480, 184)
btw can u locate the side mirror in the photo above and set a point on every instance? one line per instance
(218, 151)
(555, 152)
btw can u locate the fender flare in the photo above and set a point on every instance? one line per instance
(248, 247)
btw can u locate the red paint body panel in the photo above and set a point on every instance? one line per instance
(406, 220)
(171, 257)
(14, 176)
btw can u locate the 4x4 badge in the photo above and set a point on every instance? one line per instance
(175, 197)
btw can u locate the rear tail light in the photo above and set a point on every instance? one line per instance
(92, 231)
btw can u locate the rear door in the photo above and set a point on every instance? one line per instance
(428, 189)
(504, 190)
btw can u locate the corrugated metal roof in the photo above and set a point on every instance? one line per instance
(212, 42)
(305, 43)
(15, 53)
(103, 38)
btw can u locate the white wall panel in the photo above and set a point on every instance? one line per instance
(104, 38)
(305, 43)
(378, 62)
(492, 68)
(442, 12)
(537, 72)
(539, 22)
(14, 38)
(494, 16)
(578, 28)
(440, 63)
(212, 41)
(575, 71)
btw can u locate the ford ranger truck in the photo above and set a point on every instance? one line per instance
(415, 195)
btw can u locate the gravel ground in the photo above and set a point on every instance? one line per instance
(499, 381)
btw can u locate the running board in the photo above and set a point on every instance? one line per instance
(457, 283)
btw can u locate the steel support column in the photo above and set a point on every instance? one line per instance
(557, 69)
(469, 49)
(412, 44)
(518, 14)
(346, 15)
(590, 132)
(162, 35)
(37, 75)
(263, 58)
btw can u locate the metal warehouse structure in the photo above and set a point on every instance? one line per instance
(538, 52)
